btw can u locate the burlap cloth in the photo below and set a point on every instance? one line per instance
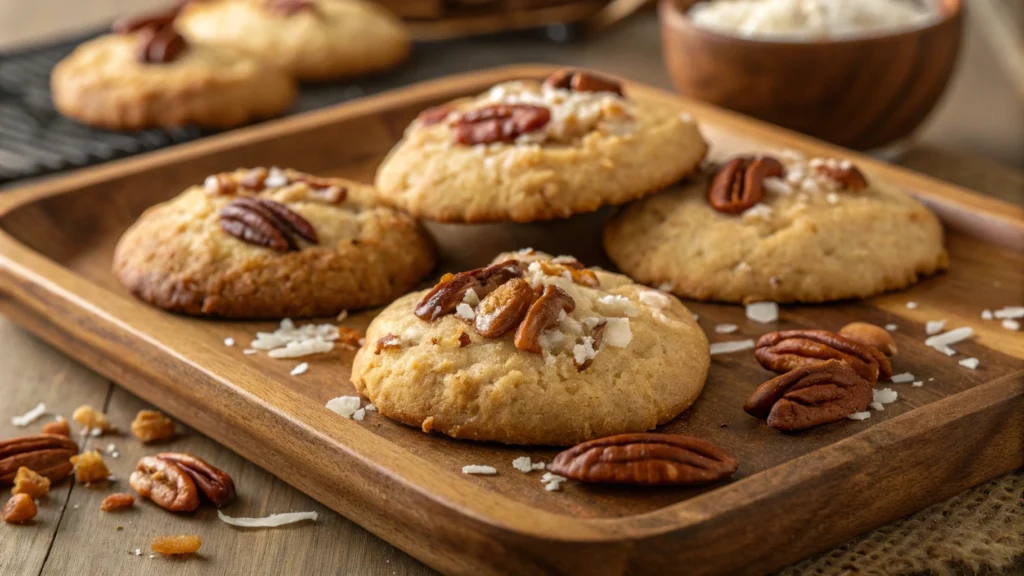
(980, 531)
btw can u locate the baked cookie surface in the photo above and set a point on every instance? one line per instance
(221, 249)
(312, 40)
(104, 83)
(621, 358)
(822, 232)
(527, 151)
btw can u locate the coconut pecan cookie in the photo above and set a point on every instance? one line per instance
(309, 39)
(784, 228)
(258, 243)
(533, 350)
(145, 74)
(526, 151)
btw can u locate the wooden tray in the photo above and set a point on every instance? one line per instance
(793, 495)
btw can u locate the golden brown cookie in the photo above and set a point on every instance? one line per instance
(819, 231)
(257, 243)
(527, 151)
(533, 350)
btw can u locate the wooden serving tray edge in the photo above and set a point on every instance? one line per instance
(406, 501)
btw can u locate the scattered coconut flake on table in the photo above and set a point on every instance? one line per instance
(859, 416)
(891, 327)
(552, 482)
(941, 342)
(525, 465)
(1011, 324)
(971, 363)
(986, 315)
(301, 348)
(288, 341)
(359, 414)
(370, 407)
(1010, 312)
(478, 469)
(917, 384)
(229, 341)
(911, 305)
(250, 351)
(346, 406)
(30, 416)
(300, 369)
(933, 327)
(726, 328)
(883, 396)
(271, 521)
(763, 312)
(730, 347)
(901, 378)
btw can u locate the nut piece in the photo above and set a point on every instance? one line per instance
(59, 427)
(543, 314)
(503, 309)
(870, 335)
(166, 484)
(89, 467)
(387, 341)
(818, 393)
(787, 350)
(650, 459)
(289, 7)
(160, 45)
(266, 223)
(92, 419)
(579, 274)
(845, 175)
(46, 454)
(449, 292)
(160, 19)
(177, 545)
(117, 501)
(216, 485)
(499, 123)
(28, 482)
(434, 115)
(151, 425)
(19, 509)
(739, 184)
(583, 82)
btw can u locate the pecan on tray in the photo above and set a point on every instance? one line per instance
(45, 454)
(215, 484)
(787, 350)
(647, 458)
(266, 223)
(499, 123)
(503, 309)
(843, 174)
(543, 314)
(811, 395)
(739, 184)
(449, 292)
(579, 81)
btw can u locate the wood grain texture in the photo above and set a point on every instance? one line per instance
(862, 93)
(963, 427)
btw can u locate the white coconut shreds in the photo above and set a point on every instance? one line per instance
(272, 521)
(987, 315)
(359, 414)
(891, 327)
(370, 408)
(552, 482)
(918, 384)
(763, 312)
(933, 327)
(654, 299)
(301, 348)
(730, 347)
(1009, 312)
(615, 305)
(884, 396)
(479, 469)
(911, 305)
(726, 328)
(465, 311)
(859, 416)
(942, 342)
(30, 416)
(584, 352)
(1011, 324)
(345, 406)
(971, 363)
(229, 341)
(902, 378)
(617, 333)
(300, 369)
(525, 465)
(250, 351)
(288, 341)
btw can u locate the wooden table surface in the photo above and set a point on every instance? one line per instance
(980, 123)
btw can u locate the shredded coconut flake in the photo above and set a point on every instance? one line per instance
(617, 333)
(884, 396)
(465, 311)
(1010, 312)
(971, 363)
(346, 406)
(933, 327)
(300, 369)
(479, 469)
(250, 351)
(30, 416)
(229, 341)
(1011, 324)
(359, 414)
(859, 416)
(911, 305)
(613, 304)
(877, 406)
(918, 384)
(942, 342)
(730, 347)
(892, 327)
(301, 348)
(654, 299)
(291, 342)
(987, 315)
(584, 351)
(272, 521)
(763, 312)
(902, 378)
(552, 482)
(370, 407)
(726, 328)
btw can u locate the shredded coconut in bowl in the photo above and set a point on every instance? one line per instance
(811, 19)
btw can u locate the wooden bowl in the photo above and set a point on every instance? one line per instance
(862, 93)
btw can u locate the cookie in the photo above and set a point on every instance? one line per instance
(817, 230)
(527, 151)
(270, 244)
(533, 350)
(309, 39)
(150, 77)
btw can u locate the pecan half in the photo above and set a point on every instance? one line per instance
(387, 341)
(543, 314)
(870, 335)
(434, 115)
(580, 275)
(166, 484)
(787, 350)
(845, 175)
(739, 184)
(499, 123)
(578, 81)
(810, 395)
(216, 485)
(449, 292)
(266, 223)
(153, 20)
(45, 454)
(651, 459)
(160, 45)
(503, 309)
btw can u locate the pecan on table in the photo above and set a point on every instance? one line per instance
(543, 314)
(578, 81)
(788, 350)
(870, 335)
(739, 184)
(45, 454)
(215, 484)
(647, 458)
(166, 484)
(266, 223)
(844, 174)
(449, 292)
(811, 395)
(503, 309)
(499, 123)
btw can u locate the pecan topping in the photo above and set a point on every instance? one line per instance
(265, 223)
(583, 82)
(254, 180)
(597, 335)
(45, 454)
(289, 7)
(870, 335)
(434, 115)
(214, 483)
(740, 183)
(579, 274)
(810, 395)
(499, 123)
(503, 309)
(787, 350)
(449, 292)
(387, 341)
(151, 20)
(543, 314)
(845, 175)
(166, 484)
(160, 46)
(651, 459)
